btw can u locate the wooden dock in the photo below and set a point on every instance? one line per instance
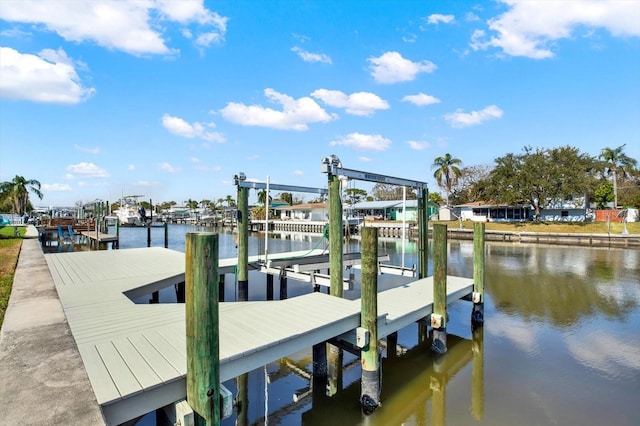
(96, 238)
(135, 355)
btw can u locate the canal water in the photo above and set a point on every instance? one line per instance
(560, 344)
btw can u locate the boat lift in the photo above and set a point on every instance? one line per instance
(333, 166)
(299, 268)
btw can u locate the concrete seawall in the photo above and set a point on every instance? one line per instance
(574, 239)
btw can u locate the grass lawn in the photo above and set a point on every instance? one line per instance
(9, 251)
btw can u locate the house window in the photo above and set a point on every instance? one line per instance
(564, 213)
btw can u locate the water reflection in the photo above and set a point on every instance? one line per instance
(413, 388)
(562, 286)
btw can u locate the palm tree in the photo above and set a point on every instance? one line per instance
(262, 197)
(17, 192)
(447, 172)
(617, 162)
(230, 201)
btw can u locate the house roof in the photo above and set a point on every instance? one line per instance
(485, 204)
(387, 204)
(305, 206)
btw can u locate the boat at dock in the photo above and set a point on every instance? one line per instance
(131, 213)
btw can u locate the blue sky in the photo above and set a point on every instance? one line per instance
(171, 99)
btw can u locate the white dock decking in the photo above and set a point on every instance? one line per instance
(135, 355)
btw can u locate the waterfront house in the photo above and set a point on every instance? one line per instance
(307, 211)
(484, 212)
(391, 210)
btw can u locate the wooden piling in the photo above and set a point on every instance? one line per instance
(242, 400)
(370, 383)
(221, 288)
(335, 236)
(319, 384)
(438, 387)
(439, 315)
(423, 233)
(269, 287)
(392, 345)
(180, 292)
(117, 232)
(477, 373)
(477, 314)
(203, 346)
(149, 236)
(283, 284)
(166, 235)
(243, 243)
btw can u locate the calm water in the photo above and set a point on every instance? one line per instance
(560, 344)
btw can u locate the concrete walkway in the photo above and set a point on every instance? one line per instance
(42, 378)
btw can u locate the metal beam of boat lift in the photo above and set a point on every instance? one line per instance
(333, 166)
(241, 182)
(303, 268)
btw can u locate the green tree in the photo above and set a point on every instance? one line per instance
(470, 186)
(604, 194)
(192, 204)
(354, 195)
(287, 197)
(447, 171)
(540, 176)
(386, 192)
(230, 201)
(617, 164)
(435, 197)
(629, 192)
(16, 192)
(262, 197)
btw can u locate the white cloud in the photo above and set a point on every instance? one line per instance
(55, 187)
(360, 103)
(365, 159)
(410, 38)
(391, 67)
(471, 17)
(131, 26)
(463, 119)
(419, 145)
(49, 77)
(93, 184)
(195, 160)
(208, 168)
(296, 114)
(145, 184)
(529, 28)
(166, 167)
(297, 172)
(311, 57)
(438, 18)
(180, 127)
(131, 167)
(87, 170)
(363, 142)
(421, 99)
(594, 350)
(253, 157)
(95, 150)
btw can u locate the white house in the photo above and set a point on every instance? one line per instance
(308, 211)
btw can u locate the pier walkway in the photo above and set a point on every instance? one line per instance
(135, 354)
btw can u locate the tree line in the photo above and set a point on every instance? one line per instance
(535, 176)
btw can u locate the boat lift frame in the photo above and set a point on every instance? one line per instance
(291, 268)
(332, 166)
